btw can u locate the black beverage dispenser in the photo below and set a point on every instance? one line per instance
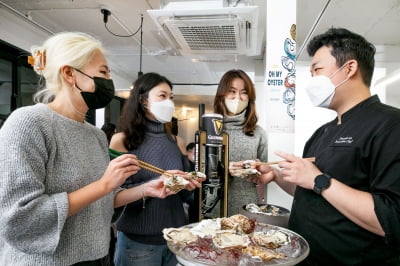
(211, 158)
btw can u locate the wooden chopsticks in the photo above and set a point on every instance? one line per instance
(114, 154)
(311, 159)
(154, 169)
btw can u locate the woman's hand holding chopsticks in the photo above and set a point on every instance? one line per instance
(118, 170)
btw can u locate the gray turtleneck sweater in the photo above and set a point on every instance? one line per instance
(243, 147)
(44, 156)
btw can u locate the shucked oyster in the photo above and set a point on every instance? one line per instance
(175, 183)
(239, 223)
(207, 227)
(264, 209)
(271, 239)
(196, 175)
(263, 253)
(247, 164)
(228, 239)
(246, 173)
(179, 236)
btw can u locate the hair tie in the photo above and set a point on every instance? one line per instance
(37, 60)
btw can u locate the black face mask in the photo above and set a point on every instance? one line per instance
(102, 95)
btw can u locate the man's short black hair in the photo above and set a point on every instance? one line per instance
(347, 45)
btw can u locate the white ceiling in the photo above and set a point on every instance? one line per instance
(378, 21)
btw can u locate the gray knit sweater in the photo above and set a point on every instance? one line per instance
(242, 147)
(44, 156)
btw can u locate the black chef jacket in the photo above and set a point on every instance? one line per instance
(362, 152)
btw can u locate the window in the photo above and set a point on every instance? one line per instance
(18, 81)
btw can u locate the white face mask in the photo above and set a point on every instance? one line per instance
(236, 106)
(163, 110)
(321, 90)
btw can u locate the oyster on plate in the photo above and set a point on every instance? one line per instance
(238, 222)
(263, 253)
(179, 236)
(229, 239)
(220, 242)
(264, 209)
(207, 227)
(271, 239)
(175, 183)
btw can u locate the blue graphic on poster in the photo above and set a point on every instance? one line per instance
(289, 63)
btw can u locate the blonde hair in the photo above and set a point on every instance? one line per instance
(73, 49)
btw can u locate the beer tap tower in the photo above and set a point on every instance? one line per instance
(212, 159)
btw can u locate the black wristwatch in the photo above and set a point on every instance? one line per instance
(321, 182)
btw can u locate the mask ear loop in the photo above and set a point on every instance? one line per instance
(334, 73)
(340, 68)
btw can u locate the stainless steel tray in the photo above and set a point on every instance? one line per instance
(203, 252)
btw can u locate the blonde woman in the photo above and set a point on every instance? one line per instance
(58, 188)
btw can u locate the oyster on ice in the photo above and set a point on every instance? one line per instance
(271, 239)
(263, 253)
(179, 236)
(175, 183)
(207, 227)
(228, 239)
(239, 223)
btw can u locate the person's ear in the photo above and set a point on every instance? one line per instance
(67, 72)
(144, 102)
(351, 68)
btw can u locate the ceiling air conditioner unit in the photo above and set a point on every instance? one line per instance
(224, 30)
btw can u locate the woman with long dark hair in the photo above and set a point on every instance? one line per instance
(235, 100)
(144, 134)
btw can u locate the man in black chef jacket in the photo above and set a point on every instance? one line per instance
(347, 203)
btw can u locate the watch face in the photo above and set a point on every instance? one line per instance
(321, 182)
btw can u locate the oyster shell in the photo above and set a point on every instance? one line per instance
(239, 223)
(247, 164)
(207, 227)
(196, 175)
(246, 173)
(252, 207)
(228, 239)
(263, 253)
(271, 239)
(175, 183)
(264, 209)
(179, 236)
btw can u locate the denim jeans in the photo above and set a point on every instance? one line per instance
(100, 262)
(129, 252)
